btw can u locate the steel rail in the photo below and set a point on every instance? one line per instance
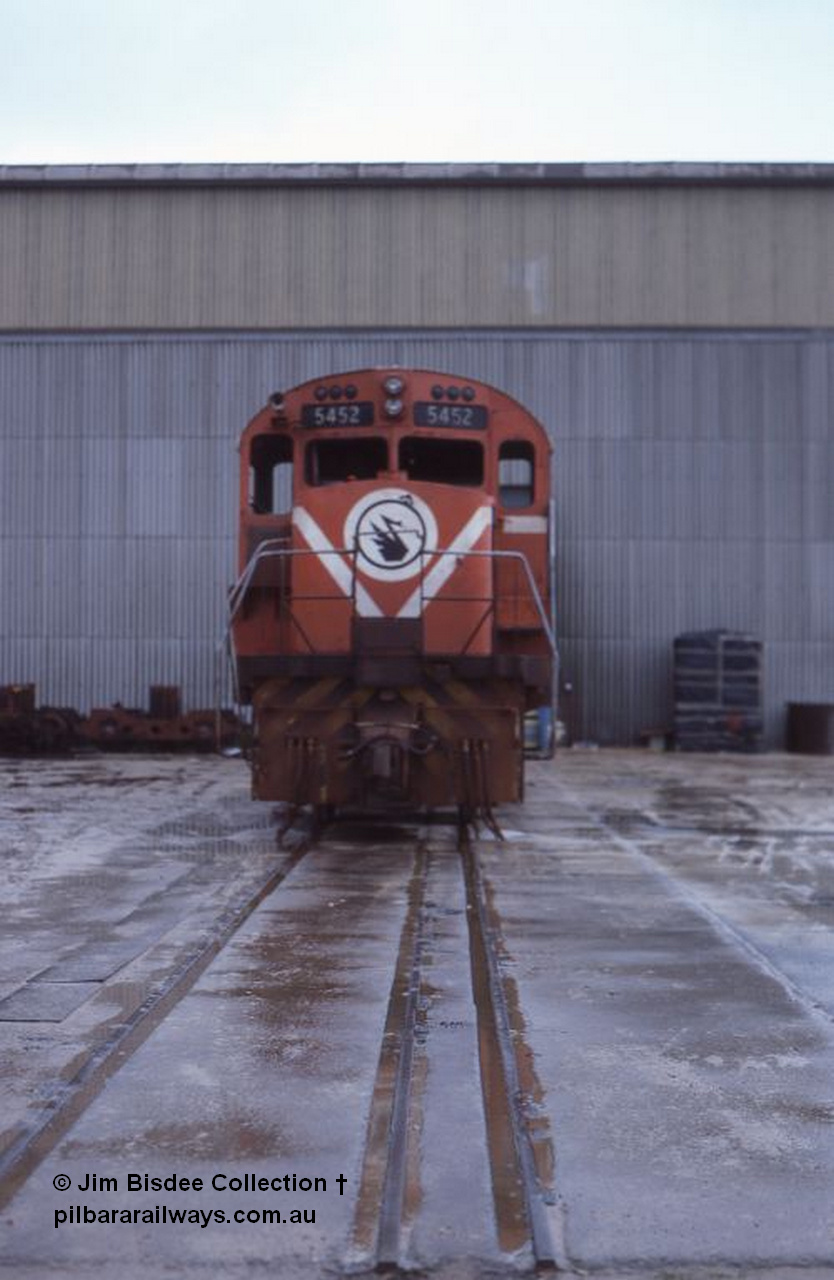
(72, 1098)
(496, 1041)
(380, 1204)
(392, 1207)
(520, 1202)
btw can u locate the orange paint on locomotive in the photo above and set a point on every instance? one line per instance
(391, 621)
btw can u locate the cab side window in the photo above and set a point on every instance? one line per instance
(516, 469)
(270, 475)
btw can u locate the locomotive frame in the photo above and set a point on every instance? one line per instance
(392, 619)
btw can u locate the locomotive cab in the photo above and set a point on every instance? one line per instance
(391, 619)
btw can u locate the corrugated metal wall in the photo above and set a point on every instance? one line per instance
(412, 255)
(693, 474)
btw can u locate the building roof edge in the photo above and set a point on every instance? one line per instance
(424, 174)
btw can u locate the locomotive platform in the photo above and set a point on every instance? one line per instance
(604, 1047)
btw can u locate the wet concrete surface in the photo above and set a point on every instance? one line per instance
(681, 1033)
(115, 871)
(664, 926)
(456, 1216)
(264, 1071)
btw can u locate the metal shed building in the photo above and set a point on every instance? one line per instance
(672, 327)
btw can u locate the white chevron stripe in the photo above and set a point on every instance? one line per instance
(332, 560)
(445, 564)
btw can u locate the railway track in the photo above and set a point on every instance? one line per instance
(68, 1098)
(389, 1198)
(526, 1213)
(362, 1008)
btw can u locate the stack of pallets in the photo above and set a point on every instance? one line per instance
(718, 691)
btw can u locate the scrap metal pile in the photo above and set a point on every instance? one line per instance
(26, 728)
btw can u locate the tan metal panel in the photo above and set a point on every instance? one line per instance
(314, 256)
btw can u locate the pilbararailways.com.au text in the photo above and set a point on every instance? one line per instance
(84, 1214)
(87, 1215)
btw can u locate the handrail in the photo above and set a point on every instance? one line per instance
(269, 548)
(274, 548)
(534, 590)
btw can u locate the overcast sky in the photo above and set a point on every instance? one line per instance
(225, 81)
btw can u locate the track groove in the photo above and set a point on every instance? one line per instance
(513, 1164)
(380, 1205)
(521, 1214)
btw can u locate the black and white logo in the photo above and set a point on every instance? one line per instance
(392, 533)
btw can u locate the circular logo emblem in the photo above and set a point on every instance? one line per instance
(392, 532)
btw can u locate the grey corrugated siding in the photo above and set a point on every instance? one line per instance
(324, 256)
(693, 476)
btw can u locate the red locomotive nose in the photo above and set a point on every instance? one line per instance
(393, 554)
(391, 621)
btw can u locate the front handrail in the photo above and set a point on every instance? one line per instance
(531, 582)
(270, 548)
(274, 548)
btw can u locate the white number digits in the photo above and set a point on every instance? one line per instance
(337, 415)
(444, 415)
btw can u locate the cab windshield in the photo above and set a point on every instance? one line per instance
(342, 458)
(442, 461)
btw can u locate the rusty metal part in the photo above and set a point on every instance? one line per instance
(25, 727)
(164, 702)
(331, 742)
(164, 725)
(811, 728)
(17, 699)
(117, 726)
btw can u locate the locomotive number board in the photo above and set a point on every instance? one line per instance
(468, 416)
(359, 413)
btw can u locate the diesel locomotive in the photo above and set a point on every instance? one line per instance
(391, 625)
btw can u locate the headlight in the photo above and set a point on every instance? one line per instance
(393, 386)
(393, 408)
